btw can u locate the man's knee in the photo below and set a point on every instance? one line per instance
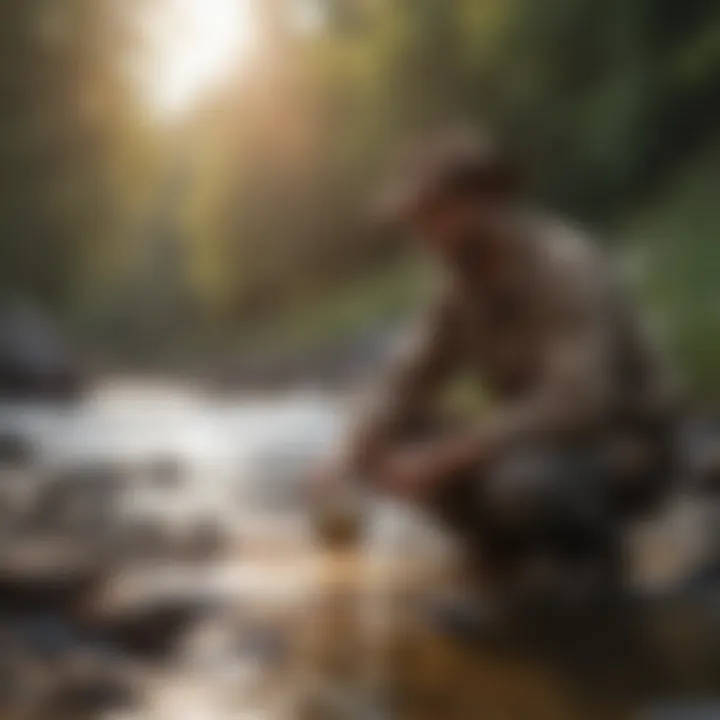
(548, 509)
(539, 488)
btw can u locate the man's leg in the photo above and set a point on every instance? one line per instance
(537, 529)
(550, 506)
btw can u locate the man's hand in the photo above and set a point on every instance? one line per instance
(336, 509)
(328, 481)
(410, 473)
(415, 472)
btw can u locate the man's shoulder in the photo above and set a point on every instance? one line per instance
(562, 244)
(566, 253)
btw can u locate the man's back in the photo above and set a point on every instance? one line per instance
(578, 432)
(544, 326)
(551, 308)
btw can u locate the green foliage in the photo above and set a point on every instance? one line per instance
(70, 167)
(675, 250)
(256, 207)
(608, 98)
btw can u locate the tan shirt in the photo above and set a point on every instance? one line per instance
(549, 335)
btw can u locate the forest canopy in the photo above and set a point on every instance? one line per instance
(142, 230)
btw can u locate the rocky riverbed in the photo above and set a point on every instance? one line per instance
(158, 562)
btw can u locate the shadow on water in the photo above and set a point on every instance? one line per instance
(605, 662)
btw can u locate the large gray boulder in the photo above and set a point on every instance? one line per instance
(34, 360)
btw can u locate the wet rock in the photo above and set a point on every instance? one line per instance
(145, 539)
(699, 444)
(708, 471)
(88, 695)
(279, 479)
(47, 637)
(164, 473)
(204, 542)
(16, 451)
(141, 540)
(81, 498)
(266, 645)
(18, 493)
(23, 683)
(35, 362)
(151, 629)
(82, 683)
(48, 577)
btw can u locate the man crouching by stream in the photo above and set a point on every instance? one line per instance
(576, 438)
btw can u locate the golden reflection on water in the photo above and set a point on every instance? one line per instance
(359, 645)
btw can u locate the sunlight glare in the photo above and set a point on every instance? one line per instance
(194, 45)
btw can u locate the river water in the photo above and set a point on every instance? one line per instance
(230, 454)
(242, 463)
(130, 422)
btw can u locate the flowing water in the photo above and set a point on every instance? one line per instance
(290, 629)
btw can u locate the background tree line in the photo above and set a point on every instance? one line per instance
(250, 215)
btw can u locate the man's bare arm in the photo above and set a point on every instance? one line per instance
(573, 390)
(576, 385)
(410, 389)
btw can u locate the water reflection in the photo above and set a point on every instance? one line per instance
(159, 561)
